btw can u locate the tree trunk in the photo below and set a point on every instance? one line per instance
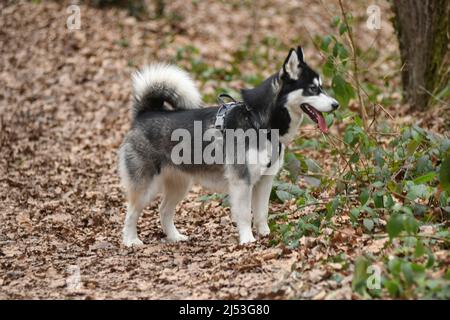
(423, 33)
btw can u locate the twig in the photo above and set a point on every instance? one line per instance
(355, 66)
(324, 175)
(434, 96)
(428, 236)
(385, 111)
(274, 216)
(340, 153)
(391, 134)
(309, 205)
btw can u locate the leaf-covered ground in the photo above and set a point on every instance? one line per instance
(64, 109)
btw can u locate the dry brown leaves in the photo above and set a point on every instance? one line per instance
(64, 104)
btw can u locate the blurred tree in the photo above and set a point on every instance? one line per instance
(423, 32)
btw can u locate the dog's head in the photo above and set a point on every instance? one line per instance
(301, 89)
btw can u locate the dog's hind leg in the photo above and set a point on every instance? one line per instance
(175, 187)
(260, 204)
(138, 198)
(141, 186)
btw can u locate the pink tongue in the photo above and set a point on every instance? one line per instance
(322, 124)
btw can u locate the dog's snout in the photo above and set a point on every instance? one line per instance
(335, 105)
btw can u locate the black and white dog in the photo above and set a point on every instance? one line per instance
(166, 100)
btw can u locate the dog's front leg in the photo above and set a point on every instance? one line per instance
(240, 198)
(260, 204)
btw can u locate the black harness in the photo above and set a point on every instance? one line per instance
(225, 108)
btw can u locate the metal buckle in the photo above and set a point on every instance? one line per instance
(220, 119)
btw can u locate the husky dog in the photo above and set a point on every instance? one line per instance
(166, 99)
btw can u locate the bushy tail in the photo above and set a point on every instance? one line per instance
(156, 83)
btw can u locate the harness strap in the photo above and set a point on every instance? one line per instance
(224, 109)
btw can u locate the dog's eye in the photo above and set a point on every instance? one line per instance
(314, 89)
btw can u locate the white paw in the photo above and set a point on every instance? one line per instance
(247, 239)
(129, 242)
(263, 230)
(176, 238)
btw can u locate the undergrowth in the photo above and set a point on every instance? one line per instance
(391, 180)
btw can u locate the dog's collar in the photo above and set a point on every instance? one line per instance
(225, 108)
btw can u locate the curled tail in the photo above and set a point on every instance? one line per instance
(158, 83)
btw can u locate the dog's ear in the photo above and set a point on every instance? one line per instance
(291, 66)
(300, 54)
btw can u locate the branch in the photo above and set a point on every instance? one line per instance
(355, 66)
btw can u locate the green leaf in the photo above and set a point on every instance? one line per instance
(393, 287)
(336, 50)
(328, 68)
(417, 191)
(395, 225)
(354, 158)
(292, 164)
(314, 182)
(407, 272)
(410, 224)
(326, 42)
(443, 200)
(340, 88)
(342, 28)
(364, 196)
(312, 165)
(378, 184)
(444, 175)
(417, 268)
(329, 119)
(360, 274)
(290, 188)
(420, 249)
(343, 53)
(331, 207)
(411, 147)
(389, 203)
(425, 178)
(358, 121)
(354, 213)
(431, 259)
(336, 20)
(406, 210)
(284, 195)
(378, 199)
(348, 136)
(350, 90)
(368, 223)
(394, 266)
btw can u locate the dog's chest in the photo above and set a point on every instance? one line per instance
(264, 162)
(292, 131)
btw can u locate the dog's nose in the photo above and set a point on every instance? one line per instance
(335, 105)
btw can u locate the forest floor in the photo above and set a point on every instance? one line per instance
(64, 102)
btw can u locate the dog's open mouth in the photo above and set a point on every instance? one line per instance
(315, 116)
